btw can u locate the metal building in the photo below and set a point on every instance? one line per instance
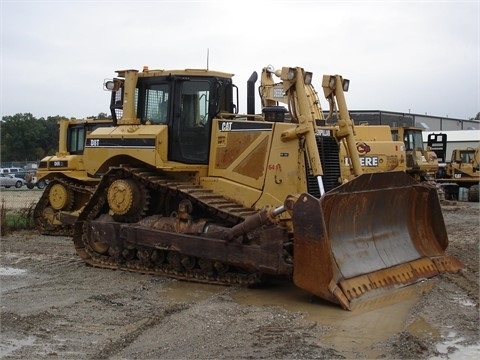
(460, 133)
(427, 122)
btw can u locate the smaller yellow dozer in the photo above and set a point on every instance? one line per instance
(365, 242)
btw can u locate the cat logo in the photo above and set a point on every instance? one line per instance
(226, 126)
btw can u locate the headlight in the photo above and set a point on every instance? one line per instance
(270, 69)
(331, 82)
(109, 85)
(291, 74)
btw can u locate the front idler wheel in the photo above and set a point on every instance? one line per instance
(61, 197)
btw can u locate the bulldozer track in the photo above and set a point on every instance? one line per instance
(217, 206)
(41, 222)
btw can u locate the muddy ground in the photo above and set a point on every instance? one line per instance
(53, 306)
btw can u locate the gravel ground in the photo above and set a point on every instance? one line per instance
(53, 306)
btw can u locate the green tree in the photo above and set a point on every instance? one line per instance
(49, 142)
(103, 115)
(25, 138)
(20, 136)
(100, 116)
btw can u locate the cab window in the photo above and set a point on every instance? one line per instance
(156, 104)
(76, 139)
(195, 98)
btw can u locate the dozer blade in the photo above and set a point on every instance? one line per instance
(368, 237)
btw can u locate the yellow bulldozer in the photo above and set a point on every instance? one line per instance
(69, 186)
(191, 189)
(458, 177)
(421, 163)
(463, 169)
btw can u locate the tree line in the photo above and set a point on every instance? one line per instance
(25, 138)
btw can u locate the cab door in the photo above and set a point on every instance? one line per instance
(189, 133)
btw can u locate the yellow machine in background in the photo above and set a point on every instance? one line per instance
(459, 177)
(191, 189)
(463, 169)
(377, 151)
(373, 143)
(69, 185)
(422, 163)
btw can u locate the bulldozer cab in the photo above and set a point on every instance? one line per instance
(186, 104)
(421, 162)
(464, 156)
(412, 138)
(77, 131)
(71, 145)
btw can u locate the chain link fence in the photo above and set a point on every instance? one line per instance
(16, 208)
(15, 199)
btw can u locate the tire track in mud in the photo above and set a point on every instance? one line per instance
(61, 327)
(134, 330)
(468, 282)
(99, 319)
(31, 273)
(219, 327)
(75, 320)
(463, 239)
(44, 261)
(33, 333)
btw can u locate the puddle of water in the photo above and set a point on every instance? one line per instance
(423, 329)
(452, 349)
(370, 322)
(183, 291)
(9, 271)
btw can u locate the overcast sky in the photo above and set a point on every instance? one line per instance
(406, 56)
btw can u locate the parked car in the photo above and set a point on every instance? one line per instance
(31, 181)
(15, 171)
(11, 170)
(9, 180)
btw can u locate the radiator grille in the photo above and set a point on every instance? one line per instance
(328, 149)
